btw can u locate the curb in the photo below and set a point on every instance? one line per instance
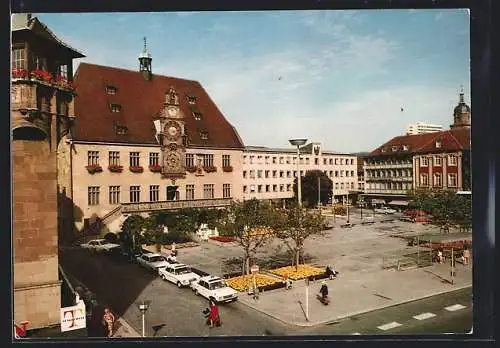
(363, 311)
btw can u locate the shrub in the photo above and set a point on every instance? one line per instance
(111, 237)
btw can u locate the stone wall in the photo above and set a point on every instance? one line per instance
(35, 242)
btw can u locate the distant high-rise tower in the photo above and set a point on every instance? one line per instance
(421, 127)
(461, 113)
(145, 63)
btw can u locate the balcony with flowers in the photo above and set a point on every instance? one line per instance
(115, 168)
(94, 168)
(43, 77)
(227, 169)
(136, 169)
(155, 168)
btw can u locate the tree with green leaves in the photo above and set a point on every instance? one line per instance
(132, 227)
(246, 221)
(309, 183)
(446, 207)
(295, 226)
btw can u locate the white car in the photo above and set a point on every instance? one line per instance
(153, 261)
(212, 287)
(99, 245)
(178, 273)
(385, 210)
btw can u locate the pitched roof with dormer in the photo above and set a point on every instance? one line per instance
(451, 140)
(139, 102)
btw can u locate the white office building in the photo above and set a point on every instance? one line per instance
(421, 127)
(269, 173)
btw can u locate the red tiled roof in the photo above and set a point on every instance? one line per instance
(451, 140)
(140, 101)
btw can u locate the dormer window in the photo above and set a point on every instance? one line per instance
(191, 99)
(405, 147)
(438, 144)
(111, 89)
(121, 130)
(394, 148)
(204, 135)
(116, 108)
(197, 116)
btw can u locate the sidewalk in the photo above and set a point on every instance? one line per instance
(123, 329)
(358, 292)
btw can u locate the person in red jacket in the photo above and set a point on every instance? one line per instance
(214, 318)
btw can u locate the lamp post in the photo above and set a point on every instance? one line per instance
(298, 143)
(143, 307)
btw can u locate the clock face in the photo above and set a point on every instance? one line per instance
(172, 131)
(172, 112)
(173, 160)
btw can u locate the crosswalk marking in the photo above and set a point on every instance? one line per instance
(424, 316)
(455, 307)
(389, 326)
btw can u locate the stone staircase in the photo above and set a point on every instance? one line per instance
(94, 229)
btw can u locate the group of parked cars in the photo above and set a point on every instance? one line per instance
(169, 269)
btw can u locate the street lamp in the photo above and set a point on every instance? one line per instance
(143, 307)
(298, 143)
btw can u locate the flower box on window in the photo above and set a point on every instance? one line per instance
(114, 168)
(41, 75)
(210, 169)
(63, 82)
(227, 169)
(19, 73)
(94, 168)
(136, 169)
(191, 169)
(155, 169)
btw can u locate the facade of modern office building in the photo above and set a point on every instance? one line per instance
(431, 160)
(421, 128)
(42, 114)
(145, 142)
(269, 173)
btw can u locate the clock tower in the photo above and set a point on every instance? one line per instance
(172, 133)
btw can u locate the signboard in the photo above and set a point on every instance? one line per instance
(166, 205)
(73, 318)
(254, 269)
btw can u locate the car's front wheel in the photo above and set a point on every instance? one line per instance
(179, 285)
(196, 292)
(163, 277)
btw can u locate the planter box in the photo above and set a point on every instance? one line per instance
(115, 169)
(211, 169)
(227, 169)
(94, 169)
(223, 239)
(136, 169)
(155, 169)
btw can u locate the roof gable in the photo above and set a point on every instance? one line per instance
(140, 101)
(450, 140)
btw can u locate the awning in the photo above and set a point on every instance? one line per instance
(405, 203)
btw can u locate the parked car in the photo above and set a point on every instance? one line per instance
(407, 218)
(178, 273)
(99, 245)
(153, 261)
(213, 287)
(385, 210)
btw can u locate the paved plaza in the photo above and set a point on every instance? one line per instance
(359, 253)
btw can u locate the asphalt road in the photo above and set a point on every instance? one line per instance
(443, 321)
(177, 312)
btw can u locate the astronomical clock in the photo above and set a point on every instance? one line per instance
(173, 131)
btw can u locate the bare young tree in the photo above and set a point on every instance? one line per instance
(296, 225)
(250, 223)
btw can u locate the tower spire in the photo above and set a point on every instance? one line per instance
(462, 94)
(145, 62)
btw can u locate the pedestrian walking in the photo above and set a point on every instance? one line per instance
(213, 316)
(108, 321)
(466, 255)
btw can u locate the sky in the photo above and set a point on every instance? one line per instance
(337, 77)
